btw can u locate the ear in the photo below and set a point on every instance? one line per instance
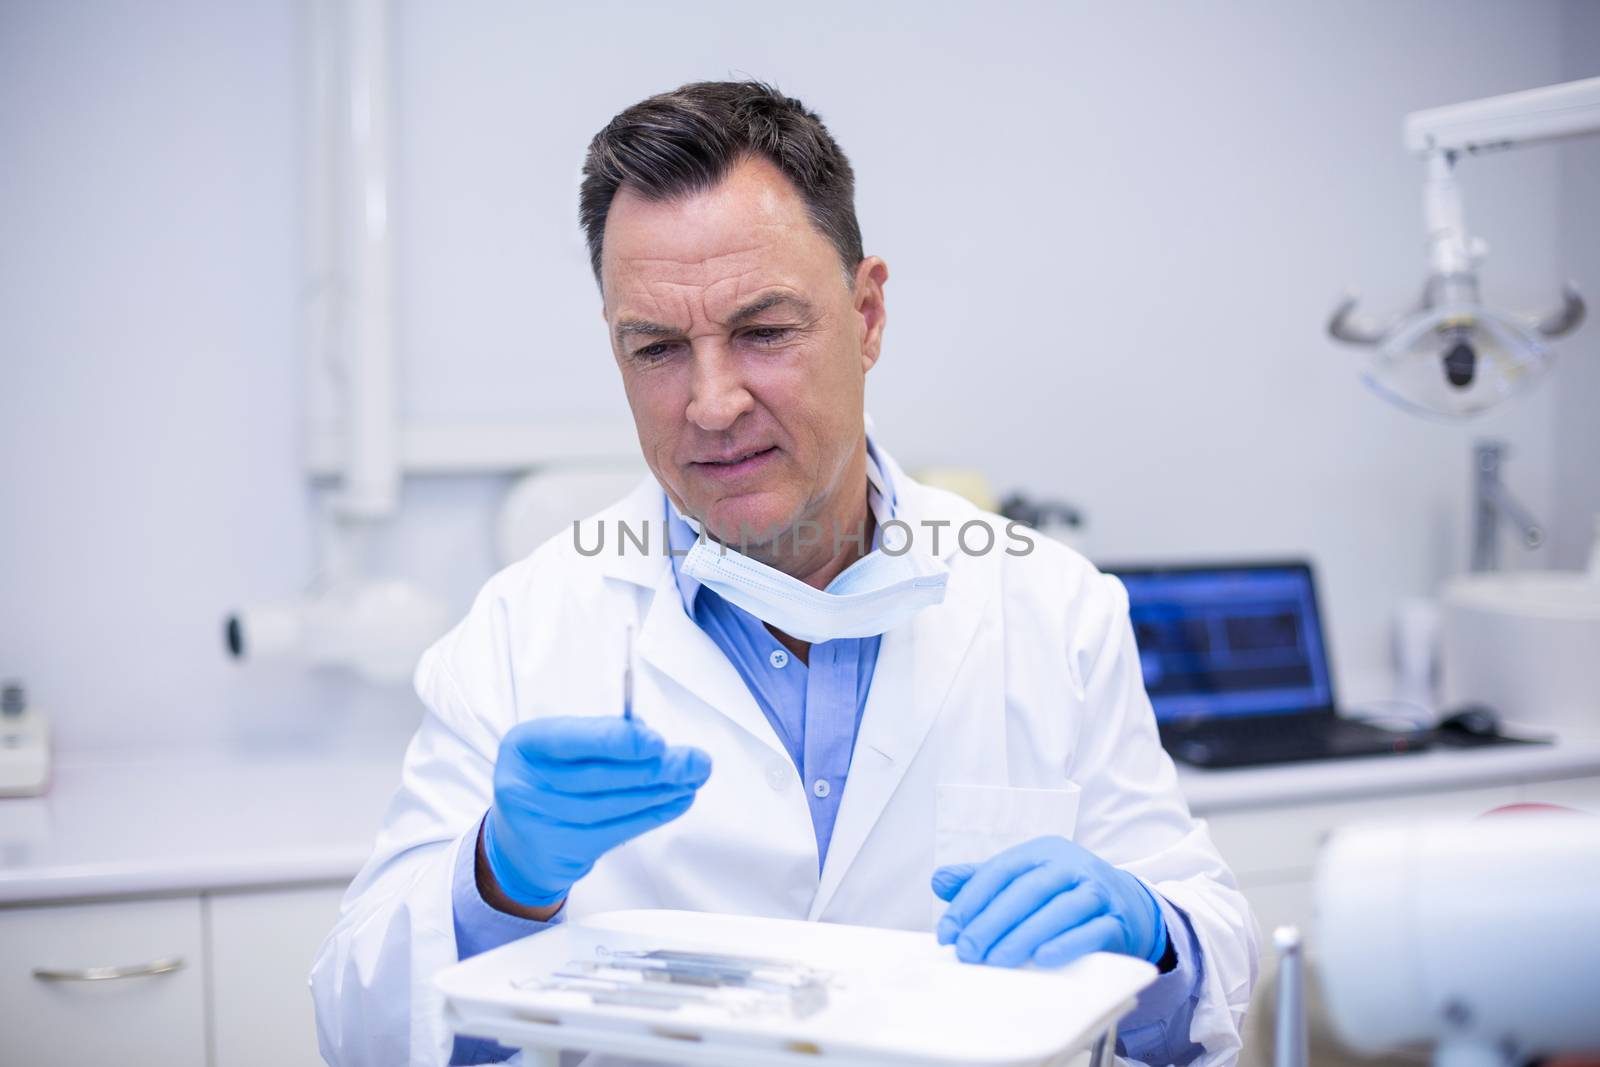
(872, 274)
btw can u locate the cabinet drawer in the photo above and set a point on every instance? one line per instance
(1283, 841)
(61, 1015)
(262, 945)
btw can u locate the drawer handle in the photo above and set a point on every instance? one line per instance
(111, 974)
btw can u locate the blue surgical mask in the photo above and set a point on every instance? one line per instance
(873, 595)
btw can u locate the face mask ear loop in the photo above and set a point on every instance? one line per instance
(694, 524)
(878, 491)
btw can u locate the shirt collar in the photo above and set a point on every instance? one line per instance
(681, 536)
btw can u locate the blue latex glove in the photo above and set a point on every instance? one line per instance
(1047, 901)
(568, 790)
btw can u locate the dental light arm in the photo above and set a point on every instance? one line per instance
(1450, 355)
(1571, 109)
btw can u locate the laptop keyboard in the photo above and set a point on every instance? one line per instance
(1224, 743)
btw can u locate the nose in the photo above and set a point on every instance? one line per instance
(717, 394)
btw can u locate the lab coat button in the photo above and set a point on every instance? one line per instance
(779, 658)
(777, 776)
(821, 788)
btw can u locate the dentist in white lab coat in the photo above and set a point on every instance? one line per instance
(857, 699)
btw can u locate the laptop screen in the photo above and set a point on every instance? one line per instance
(1229, 640)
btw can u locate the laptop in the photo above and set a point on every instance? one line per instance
(1235, 660)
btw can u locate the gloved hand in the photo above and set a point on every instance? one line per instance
(1048, 901)
(568, 790)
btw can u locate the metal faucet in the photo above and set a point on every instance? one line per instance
(1492, 501)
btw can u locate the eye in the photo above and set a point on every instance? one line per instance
(654, 352)
(769, 335)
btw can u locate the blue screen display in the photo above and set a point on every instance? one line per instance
(1229, 641)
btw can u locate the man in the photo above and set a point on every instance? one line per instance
(856, 699)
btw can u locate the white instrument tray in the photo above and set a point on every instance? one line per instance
(897, 997)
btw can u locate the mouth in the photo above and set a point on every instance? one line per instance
(736, 464)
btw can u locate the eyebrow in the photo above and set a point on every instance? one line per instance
(627, 328)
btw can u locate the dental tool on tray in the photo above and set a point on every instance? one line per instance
(669, 980)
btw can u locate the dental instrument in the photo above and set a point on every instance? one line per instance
(627, 676)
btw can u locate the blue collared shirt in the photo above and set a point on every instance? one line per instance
(815, 709)
(816, 712)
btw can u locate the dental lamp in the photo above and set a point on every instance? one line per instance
(1451, 356)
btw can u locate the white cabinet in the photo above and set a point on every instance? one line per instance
(139, 837)
(54, 1008)
(214, 980)
(1272, 844)
(261, 949)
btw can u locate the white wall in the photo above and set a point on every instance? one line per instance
(1577, 418)
(1114, 233)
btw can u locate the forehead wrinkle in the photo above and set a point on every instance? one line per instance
(701, 274)
(689, 267)
(706, 304)
(684, 291)
(701, 261)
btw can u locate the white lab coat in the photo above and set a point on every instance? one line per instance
(1025, 681)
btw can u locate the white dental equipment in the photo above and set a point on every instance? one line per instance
(1451, 356)
(1474, 937)
(377, 629)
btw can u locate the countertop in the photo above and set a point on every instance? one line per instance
(110, 827)
(1211, 791)
(117, 827)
